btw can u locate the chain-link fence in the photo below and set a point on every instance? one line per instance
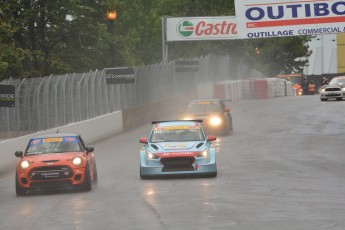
(54, 101)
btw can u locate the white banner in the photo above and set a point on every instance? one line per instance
(201, 28)
(277, 18)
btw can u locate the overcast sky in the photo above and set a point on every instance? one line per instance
(327, 44)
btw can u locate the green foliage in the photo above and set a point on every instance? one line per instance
(42, 37)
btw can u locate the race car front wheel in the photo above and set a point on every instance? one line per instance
(87, 184)
(95, 175)
(19, 190)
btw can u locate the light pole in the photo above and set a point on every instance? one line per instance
(322, 56)
(111, 16)
(321, 38)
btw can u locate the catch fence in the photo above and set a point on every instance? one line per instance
(47, 102)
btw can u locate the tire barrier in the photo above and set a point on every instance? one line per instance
(260, 89)
(227, 90)
(253, 89)
(219, 91)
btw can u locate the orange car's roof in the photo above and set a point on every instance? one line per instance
(57, 135)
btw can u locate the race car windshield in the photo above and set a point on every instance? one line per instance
(53, 145)
(337, 81)
(204, 108)
(172, 135)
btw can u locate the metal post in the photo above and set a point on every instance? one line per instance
(322, 57)
(72, 98)
(38, 104)
(56, 101)
(80, 96)
(87, 95)
(8, 115)
(94, 93)
(64, 104)
(47, 99)
(164, 42)
(105, 93)
(17, 105)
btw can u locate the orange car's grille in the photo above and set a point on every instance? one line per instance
(51, 184)
(51, 172)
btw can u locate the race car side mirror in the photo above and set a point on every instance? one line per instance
(211, 138)
(226, 110)
(90, 149)
(18, 153)
(143, 140)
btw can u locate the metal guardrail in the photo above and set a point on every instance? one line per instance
(53, 101)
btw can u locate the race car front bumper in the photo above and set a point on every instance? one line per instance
(160, 171)
(330, 95)
(201, 167)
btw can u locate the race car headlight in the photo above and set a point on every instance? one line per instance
(322, 90)
(203, 153)
(215, 121)
(24, 164)
(77, 161)
(151, 155)
(187, 118)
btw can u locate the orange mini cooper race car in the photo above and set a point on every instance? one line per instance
(55, 161)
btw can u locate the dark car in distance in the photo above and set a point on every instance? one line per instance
(214, 113)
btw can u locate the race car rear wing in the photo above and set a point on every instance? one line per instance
(156, 122)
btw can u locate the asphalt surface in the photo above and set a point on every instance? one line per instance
(282, 168)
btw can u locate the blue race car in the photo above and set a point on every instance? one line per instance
(177, 148)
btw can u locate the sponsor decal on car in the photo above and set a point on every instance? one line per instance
(175, 145)
(48, 140)
(177, 154)
(70, 139)
(177, 127)
(36, 142)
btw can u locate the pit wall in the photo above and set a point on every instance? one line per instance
(111, 124)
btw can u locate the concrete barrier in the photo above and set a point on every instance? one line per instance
(132, 117)
(92, 130)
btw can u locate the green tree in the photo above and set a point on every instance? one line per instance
(41, 37)
(53, 37)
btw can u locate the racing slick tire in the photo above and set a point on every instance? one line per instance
(142, 176)
(87, 184)
(19, 190)
(225, 130)
(214, 174)
(339, 99)
(95, 175)
(230, 123)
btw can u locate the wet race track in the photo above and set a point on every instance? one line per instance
(282, 167)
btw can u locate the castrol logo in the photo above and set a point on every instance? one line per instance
(204, 28)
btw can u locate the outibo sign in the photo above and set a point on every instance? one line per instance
(201, 28)
(278, 18)
(7, 95)
(122, 75)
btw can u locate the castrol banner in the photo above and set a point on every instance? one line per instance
(201, 28)
(278, 18)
